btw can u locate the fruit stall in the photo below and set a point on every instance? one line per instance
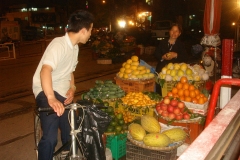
(148, 126)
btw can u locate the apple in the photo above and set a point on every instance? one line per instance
(181, 105)
(171, 116)
(186, 116)
(160, 111)
(183, 110)
(170, 108)
(164, 107)
(179, 116)
(158, 107)
(176, 110)
(174, 102)
(165, 114)
(166, 100)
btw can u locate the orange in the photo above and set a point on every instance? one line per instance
(186, 93)
(180, 92)
(197, 96)
(179, 85)
(197, 91)
(183, 79)
(191, 87)
(182, 98)
(201, 95)
(170, 94)
(175, 95)
(174, 90)
(188, 99)
(205, 99)
(192, 94)
(194, 100)
(185, 86)
(201, 100)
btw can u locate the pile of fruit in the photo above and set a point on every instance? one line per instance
(173, 72)
(173, 109)
(132, 70)
(137, 99)
(149, 131)
(120, 120)
(104, 90)
(187, 92)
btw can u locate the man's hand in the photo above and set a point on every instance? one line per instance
(57, 106)
(70, 96)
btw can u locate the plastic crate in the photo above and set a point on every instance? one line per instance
(117, 145)
(137, 153)
(167, 86)
(136, 85)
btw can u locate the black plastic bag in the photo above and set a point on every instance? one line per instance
(94, 124)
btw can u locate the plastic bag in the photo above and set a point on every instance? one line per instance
(94, 124)
(143, 63)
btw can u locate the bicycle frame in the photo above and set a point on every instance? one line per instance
(71, 117)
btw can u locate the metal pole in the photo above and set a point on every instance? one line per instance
(74, 148)
(214, 96)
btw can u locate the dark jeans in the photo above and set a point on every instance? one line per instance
(50, 124)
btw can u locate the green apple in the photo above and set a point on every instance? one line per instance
(189, 71)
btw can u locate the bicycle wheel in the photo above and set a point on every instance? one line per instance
(37, 131)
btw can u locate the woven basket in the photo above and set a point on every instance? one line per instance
(142, 145)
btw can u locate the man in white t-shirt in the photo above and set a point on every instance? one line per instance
(53, 81)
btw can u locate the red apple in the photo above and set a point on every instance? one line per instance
(179, 116)
(171, 116)
(160, 111)
(158, 107)
(186, 116)
(181, 105)
(174, 102)
(176, 110)
(164, 107)
(166, 100)
(165, 114)
(170, 108)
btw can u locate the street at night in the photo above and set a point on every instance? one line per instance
(167, 73)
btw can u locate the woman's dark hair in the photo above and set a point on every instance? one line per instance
(176, 25)
(78, 20)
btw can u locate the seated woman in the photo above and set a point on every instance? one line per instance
(170, 50)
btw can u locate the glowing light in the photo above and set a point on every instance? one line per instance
(233, 23)
(24, 10)
(122, 23)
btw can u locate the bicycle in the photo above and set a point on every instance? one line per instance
(60, 154)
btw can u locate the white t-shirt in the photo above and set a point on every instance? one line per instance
(62, 56)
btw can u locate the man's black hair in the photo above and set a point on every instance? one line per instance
(78, 20)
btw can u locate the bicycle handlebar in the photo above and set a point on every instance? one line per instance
(73, 106)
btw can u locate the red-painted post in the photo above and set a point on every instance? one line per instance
(214, 96)
(227, 57)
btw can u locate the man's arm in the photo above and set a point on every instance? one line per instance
(71, 91)
(46, 82)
